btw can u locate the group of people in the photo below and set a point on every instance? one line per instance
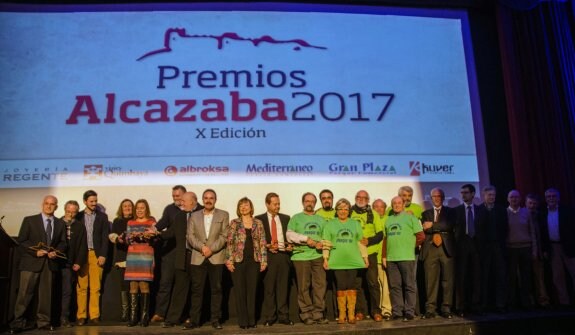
(467, 259)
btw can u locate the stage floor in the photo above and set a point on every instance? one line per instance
(520, 323)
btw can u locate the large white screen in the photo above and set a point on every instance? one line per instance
(245, 99)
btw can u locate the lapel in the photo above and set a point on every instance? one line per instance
(266, 224)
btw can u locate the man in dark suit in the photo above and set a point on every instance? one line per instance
(467, 264)
(207, 236)
(182, 255)
(276, 278)
(167, 253)
(38, 264)
(90, 273)
(437, 253)
(557, 227)
(492, 236)
(77, 254)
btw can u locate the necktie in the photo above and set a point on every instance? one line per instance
(436, 238)
(274, 230)
(470, 223)
(49, 231)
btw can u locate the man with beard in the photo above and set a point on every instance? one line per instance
(207, 236)
(372, 227)
(326, 211)
(305, 230)
(90, 273)
(77, 253)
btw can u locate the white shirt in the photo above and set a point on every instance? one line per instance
(208, 223)
(279, 231)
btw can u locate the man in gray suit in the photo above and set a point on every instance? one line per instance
(206, 235)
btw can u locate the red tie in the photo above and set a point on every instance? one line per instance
(274, 230)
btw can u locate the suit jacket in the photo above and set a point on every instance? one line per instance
(445, 226)
(216, 239)
(493, 225)
(176, 232)
(566, 230)
(100, 233)
(461, 236)
(31, 233)
(284, 220)
(77, 245)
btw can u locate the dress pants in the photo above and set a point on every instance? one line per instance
(245, 279)
(167, 278)
(541, 295)
(560, 262)
(519, 270)
(32, 284)
(310, 275)
(439, 270)
(401, 277)
(467, 276)
(493, 272)
(385, 304)
(373, 285)
(199, 275)
(89, 277)
(67, 282)
(276, 287)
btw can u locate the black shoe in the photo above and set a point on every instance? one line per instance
(16, 330)
(253, 326)
(167, 324)
(286, 322)
(81, 321)
(189, 325)
(66, 323)
(308, 322)
(95, 321)
(428, 315)
(268, 323)
(47, 327)
(396, 317)
(244, 327)
(408, 317)
(447, 315)
(321, 321)
(386, 316)
(217, 325)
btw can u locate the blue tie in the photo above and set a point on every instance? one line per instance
(470, 223)
(49, 231)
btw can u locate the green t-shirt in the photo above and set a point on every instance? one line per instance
(327, 215)
(345, 237)
(413, 208)
(369, 230)
(379, 250)
(400, 232)
(308, 225)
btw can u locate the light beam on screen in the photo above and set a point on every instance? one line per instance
(247, 99)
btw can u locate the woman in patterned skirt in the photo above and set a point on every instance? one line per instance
(140, 262)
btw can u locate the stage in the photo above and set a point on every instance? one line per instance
(512, 323)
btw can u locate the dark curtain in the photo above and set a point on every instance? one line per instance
(538, 60)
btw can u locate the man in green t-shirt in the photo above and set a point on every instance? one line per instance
(372, 226)
(403, 233)
(326, 211)
(305, 231)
